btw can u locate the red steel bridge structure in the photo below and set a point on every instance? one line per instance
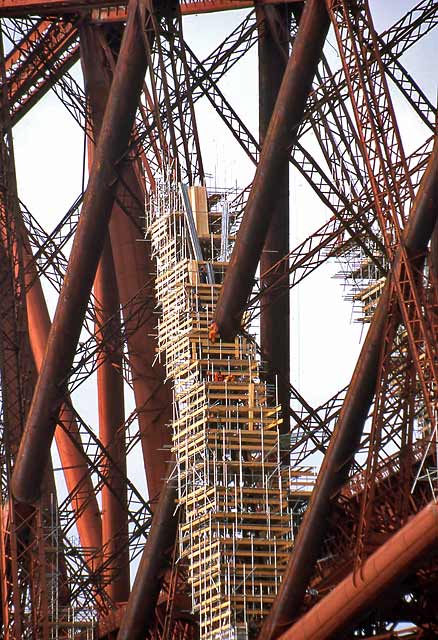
(364, 561)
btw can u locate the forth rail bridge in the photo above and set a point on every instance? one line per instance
(249, 513)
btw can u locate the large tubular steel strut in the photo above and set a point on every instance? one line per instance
(139, 615)
(346, 437)
(74, 463)
(45, 53)
(110, 393)
(73, 459)
(274, 319)
(87, 246)
(282, 131)
(21, 544)
(153, 397)
(387, 566)
(133, 266)
(76, 471)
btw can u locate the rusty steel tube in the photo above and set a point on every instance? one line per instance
(348, 431)
(110, 383)
(283, 127)
(111, 406)
(74, 463)
(273, 52)
(134, 270)
(139, 615)
(352, 597)
(87, 246)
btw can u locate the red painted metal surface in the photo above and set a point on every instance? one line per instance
(364, 185)
(273, 43)
(44, 54)
(139, 615)
(76, 471)
(112, 10)
(24, 564)
(345, 440)
(110, 383)
(153, 397)
(90, 235)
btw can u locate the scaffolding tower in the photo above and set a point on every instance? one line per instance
(236, 526)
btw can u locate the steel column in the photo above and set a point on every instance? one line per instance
(281, 134)
(139, 615)
(87, 246)
(348, 431)
(434, 267)
(110, 388)
(274, 318)
(20, 542)
(76, 471)
(110, 393)
(134, 268)
(354, 596)
(116, 13)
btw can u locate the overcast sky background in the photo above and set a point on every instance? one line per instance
(325, 341)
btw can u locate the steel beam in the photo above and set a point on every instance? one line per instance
(140, 612)
(281, 134)
(346, 437)
(76, 470)
(87, 246)
(18, 8)
(359, 591)
(47, 51)
(134, 268)
(273, 49)
(208, 6)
